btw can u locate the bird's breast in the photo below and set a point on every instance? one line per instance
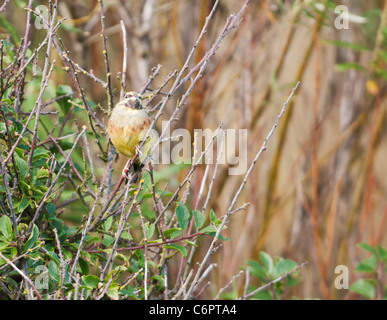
(126, 128)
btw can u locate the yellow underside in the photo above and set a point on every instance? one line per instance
(125, 146)
(127, 128)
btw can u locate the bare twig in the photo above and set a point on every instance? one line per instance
(125, 57)
(86, 228)
(121, 225)
(145, 239)
(86, 144)
(62, 262)
(228, 284)
(263, 148)
(2, 8)
(105, 54)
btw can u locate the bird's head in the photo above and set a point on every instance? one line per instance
(132, 100)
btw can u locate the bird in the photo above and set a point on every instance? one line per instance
(128, 126)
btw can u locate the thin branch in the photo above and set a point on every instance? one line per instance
(123, 221)
(228, 284)
(105, 54)
(125, 57)
(2, 8)
(86, 228)
(220, 228)
(145, 239)
(62, 262)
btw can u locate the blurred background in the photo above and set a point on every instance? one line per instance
(320, 187)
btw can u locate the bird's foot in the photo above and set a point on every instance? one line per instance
(138, 151)
(126, 174)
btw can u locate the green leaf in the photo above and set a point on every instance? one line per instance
(382, 253)
(349, 45)
(53, 256)
(3, 129)
(84, 266)
(6, 100)
(176, 233)
(70, 231)
(219, 236)
(263, 295)
(177, 247)
(108, 223)
(6, 227)
(158, 279)
(32, 239)
(67, 255)
(182, 215)
(19, 152)
(53, 271)
(340, 67)
(3, 245)
(63, 103)
(209, 229)
(199, 218)
(40, 153)
(113, 291)
(292, 281)
(43, 173)
(170, 231)
(283, 266)
(364, 288)
(91, 238)
(107, 240)
(369, 248)
(267, 261)
(22, 205)
(212, 215)
(149, 214)
(150, 229)
(257, 270)
(126, 235)
(191, 243)
(91, 281)
(13, 252)
(214, 220)
(367, 265)
(22, 166)
(50, 208)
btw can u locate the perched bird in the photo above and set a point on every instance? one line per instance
(127, 127)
